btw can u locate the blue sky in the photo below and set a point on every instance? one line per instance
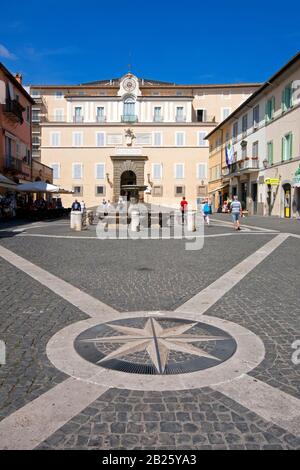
(57, 42)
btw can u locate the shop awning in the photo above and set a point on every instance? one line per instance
(218, 189)
(7, 183)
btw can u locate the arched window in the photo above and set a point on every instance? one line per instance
(129, 107)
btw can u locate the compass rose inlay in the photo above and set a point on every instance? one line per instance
(155, 345)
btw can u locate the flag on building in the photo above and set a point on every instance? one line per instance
(229, 154)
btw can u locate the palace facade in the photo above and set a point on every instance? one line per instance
(103, 137)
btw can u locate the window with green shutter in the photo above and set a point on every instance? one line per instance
(287, 147)
(270, 152)
(270, 109)
(287, 94)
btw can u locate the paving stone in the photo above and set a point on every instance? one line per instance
(266, 302)
(30, 315)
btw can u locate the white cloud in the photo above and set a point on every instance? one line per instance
(4, 52)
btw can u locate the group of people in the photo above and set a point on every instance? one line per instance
(234, 207)
(205, 209)
(8, 207)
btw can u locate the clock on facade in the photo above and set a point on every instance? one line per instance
(129, 84)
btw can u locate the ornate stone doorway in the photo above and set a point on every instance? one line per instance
(128, 172)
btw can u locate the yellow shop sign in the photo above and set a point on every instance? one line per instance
(272, 181)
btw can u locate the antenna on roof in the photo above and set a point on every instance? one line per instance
(130, 62)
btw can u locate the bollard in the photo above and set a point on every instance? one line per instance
(135, 220)
(149, 219)
(76, 221)
(191, 221)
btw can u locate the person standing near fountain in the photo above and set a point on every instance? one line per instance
(183, 208)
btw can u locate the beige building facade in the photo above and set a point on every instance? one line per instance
(102, 137)
(262, 141)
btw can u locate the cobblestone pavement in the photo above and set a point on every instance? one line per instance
(152, 275)
(197, 419)
(141, 275)
(30, 315)
(269, 223)
(267, 302)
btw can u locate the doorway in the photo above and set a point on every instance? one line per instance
(254, 197)
(128, 178)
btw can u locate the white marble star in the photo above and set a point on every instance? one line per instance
(157, 341)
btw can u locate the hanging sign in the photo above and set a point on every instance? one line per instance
(272, 181)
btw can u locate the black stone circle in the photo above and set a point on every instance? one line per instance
(140, 362)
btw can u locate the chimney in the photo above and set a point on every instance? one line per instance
(19, 78)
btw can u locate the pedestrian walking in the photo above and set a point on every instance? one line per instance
(183, 208)
(206, 210)
(236, 212)
(76, 206)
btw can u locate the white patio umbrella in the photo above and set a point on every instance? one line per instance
(7, 183)
(37, 187)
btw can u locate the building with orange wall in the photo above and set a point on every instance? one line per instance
(15, 132)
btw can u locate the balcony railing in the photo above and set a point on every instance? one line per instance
(249, 164)
(14, 110)
(244, 165)
(158, 118)
(180, 118)
(129, 118)
(100, 118)
(78, 118)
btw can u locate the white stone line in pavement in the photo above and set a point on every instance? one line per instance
(201, 302)
(271, 403)
(76, 237)
(86, 303)
(244, 225)
(35, 422)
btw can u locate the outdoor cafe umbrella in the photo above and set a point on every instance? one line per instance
(7, 183)
(40, 187)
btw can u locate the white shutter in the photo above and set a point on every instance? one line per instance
(180, 139)
(11, 91)
(157, 171)
(56, 170)
(77, 171)
(201, 139)
(179, 171)
(100, 139)
(201, 173)
(100, 171)
(55, 139)
(77, 139)
(157, 139)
